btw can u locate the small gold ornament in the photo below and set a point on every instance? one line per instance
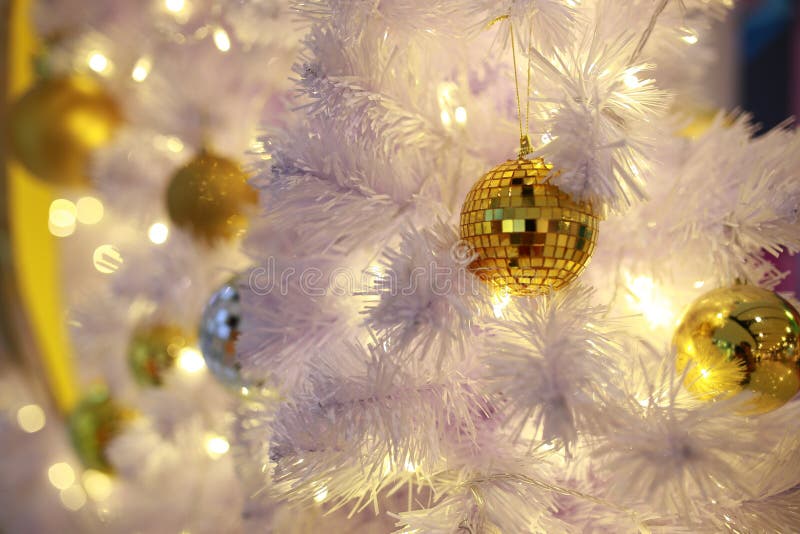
(153, 350)
(210, 196)
(529, 235)
(93, 424)
(56, 125)
(740, 338)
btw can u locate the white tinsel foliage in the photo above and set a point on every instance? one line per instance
(599, 121)
(553, 363)
(732, 198)
(428, 302)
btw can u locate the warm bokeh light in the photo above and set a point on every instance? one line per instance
(216, 446)
(89, 210)
(321, 494)
(158, 233)
(73, 498)
(190, 360)
(98, 62)
(62, 218)
(446, 119)
(31, 418)
(643, 296)
(98, 485)
(461, 115)
(221, 40)
(141, 70)
(61, 475)
(175, 6)
(499, 302)
(106, 259)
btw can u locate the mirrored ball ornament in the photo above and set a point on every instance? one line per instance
(740, 338)
(219, 329)
(153, 350)
(95, 421)
(528, 235)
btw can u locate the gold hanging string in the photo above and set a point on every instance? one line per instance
(524, 140)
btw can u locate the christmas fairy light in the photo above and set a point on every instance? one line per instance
(216, 446)
(106, 259)
(61, 475)
(98, 62)
(221, 40)
(446, 119)
(158, 233)
(175, 6)
(644, 297)
(31, 418)
(141, 70)
(190, 360)
(73, 498)
(461, 115)
(321, 494)
(62, 217)
(89, 210)
(97, 484)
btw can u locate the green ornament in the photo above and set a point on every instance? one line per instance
(153, 350)
(93, 424)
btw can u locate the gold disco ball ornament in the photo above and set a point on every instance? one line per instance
(153, 350)
(740, 338)
(55, 126)
(210, 197)
(529, 236)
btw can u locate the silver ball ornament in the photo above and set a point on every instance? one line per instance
(219, 329)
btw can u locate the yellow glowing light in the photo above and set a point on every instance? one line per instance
(461, 115)
(175, 6)
(410, 467)
(63, 213)
(73, 498)
(216, 446)
(646, 298)
(546, 138)
(321, 494)
(173, 144)
(141, 70)
(446, 119)
(61, 475)
(631, 81)
(190, 360)
(221, 40)
(31, 418)
(705, 373)
(158, 233)
(89, 210)
(758, 319)
(106, 259)
(699, 284)
(97, 485)
(98, 62)
(245, 391)
(499, 302)
(690, 37)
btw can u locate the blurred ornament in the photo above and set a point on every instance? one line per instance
(529, 236)
(219, 329)
(209, 196)
(740, 338)
(55, 126)
(93, 424)
(153, 350)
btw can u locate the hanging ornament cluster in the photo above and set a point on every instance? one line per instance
(740, 338)
(210, 197)
(219, 329)
(56, 125)
(529, 236)
(153, 350)
(92, 425)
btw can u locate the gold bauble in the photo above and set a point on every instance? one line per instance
(529, 235)
(55, 126)
(740, 338)
(92, 425)
(153, 350)
(210, 197)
